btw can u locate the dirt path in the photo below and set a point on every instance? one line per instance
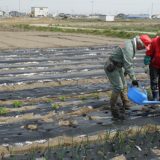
(19, 40)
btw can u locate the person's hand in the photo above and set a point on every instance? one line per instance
(146, 69)
(135, 83)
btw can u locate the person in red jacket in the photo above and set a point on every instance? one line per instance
(153, 51)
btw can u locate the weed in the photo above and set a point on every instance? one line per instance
(107, 136)
(104, 147)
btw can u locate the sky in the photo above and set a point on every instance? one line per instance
(109, 7)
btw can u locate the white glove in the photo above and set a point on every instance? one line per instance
(146, 69)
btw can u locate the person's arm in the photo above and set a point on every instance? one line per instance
(128, 66)
(147, 57)
(150, 49)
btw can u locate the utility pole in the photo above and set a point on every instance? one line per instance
(6, 8)
(19, 6)
(92, 3)
(152, 9)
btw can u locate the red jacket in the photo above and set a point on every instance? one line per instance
(153, 50)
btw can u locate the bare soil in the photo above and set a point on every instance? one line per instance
(19, 40)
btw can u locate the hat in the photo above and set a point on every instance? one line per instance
(145, 39)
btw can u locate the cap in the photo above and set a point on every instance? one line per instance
(145, 39)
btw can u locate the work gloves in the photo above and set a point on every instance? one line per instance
(146, 69)
(147, 60)
(135, 83)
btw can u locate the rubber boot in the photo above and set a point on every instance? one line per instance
(155, 94)
(115, 110)
(155, 97)
(125, 100)
(122, 114)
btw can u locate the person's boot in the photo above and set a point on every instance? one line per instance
(155, 97)
(122, 113)
(155, 94)
(125, 100)
(115, 110)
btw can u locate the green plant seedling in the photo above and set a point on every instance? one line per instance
(17, 104)
(95, 95)
(62, 98)
(55, 106)
(49, 100)
(3, 110)
(83, 98)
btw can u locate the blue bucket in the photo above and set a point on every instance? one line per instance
(139, 96)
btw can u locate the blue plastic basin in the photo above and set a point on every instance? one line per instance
(139, 96)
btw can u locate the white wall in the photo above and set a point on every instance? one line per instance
(109, 18)
(1, 13)
(39, 11)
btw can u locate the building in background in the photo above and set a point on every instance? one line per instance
(39, 11)
(2, 13)
(102, 17)
(109, 18)
(16, 14)
(138, 16)
(156, 16)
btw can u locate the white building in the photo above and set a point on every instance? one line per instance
(39, 11)
(106, 17)
(156, 16)
(109, 18)
(102, 17)
(2, 13)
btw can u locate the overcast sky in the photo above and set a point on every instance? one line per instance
(111, 7)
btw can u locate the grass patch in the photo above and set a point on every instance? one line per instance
(121, 31)
(118, 28)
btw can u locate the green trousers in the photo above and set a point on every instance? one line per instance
(117, 79)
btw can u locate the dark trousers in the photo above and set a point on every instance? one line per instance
(155, 81)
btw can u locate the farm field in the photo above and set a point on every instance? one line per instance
(51, 93)
(54, 92)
